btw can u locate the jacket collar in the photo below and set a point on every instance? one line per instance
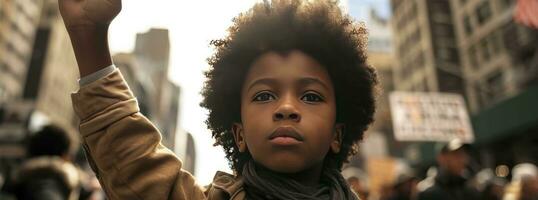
(230, 184)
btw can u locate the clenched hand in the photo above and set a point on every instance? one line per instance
(76, 13)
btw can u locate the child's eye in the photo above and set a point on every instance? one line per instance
(263, 96)
(312, 97)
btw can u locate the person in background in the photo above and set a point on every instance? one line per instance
(494, 189)
(404, 188)
(491, 187)
(357, 180)
(529, 188)
(524, 183)
(451, 181)
(48, 174)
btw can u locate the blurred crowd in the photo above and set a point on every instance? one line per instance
(54, 168)
(451, 179)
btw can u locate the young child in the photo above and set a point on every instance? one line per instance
(289, 96)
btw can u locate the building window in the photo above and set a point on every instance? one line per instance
(495, 86)
(506, 3)
(3, 93)
(420, 59)
(467, 25)
(425, 82)
(413, 11)
(484, 12)
(484, 49)
(415, 37)
(14, 27)
(395, 4)
(494, 43)
(443, 30)
(472, 58)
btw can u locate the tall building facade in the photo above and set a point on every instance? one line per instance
(500, 62)
(146, 70)
(487, 34)
(425, 47)
(475, 48)
(52, 74)
(426, 60)
(37, 72)
(18, 24)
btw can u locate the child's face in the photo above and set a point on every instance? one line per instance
(288, 113)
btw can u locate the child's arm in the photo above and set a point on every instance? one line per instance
(87, 23)
(122, 146)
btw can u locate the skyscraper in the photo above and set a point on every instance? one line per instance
(18, 24)
(147, 72)
(500, 61)
(37, 70)
(426, 48)
(490, 43)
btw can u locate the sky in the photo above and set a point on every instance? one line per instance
(359, 9)
(192, 25)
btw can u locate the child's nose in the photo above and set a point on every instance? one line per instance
(287, 111)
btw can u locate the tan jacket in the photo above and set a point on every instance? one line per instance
(124, 149)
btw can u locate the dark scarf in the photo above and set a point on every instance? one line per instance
(263, 184)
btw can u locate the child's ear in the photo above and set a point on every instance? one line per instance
(238, 133)
(337, 139)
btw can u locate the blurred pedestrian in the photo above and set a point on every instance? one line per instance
(490, 186)
(451, 180)
(524, 183)
(358, 181)
(428, 182)
(48, 174)
(529, 188)
(493, 190)
(404, 188)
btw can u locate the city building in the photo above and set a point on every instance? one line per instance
(47, 73)
(37, 73)
(492, 73)
(146, 71)
(18, 24)
(185, 149)
(478, 49)
(500, 66)
(425, 47)
(52, 73)
(427, 60)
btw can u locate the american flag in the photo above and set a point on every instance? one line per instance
(527, 13)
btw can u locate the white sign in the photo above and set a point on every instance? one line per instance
(437, 117)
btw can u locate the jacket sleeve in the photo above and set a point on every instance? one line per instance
(123, 147)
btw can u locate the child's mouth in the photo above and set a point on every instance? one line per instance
(285, 141)
(285, 136)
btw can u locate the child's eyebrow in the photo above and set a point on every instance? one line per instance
(311, 80)
(304, 81)
(263, 81)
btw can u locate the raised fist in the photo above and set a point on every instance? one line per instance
(88, 12)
